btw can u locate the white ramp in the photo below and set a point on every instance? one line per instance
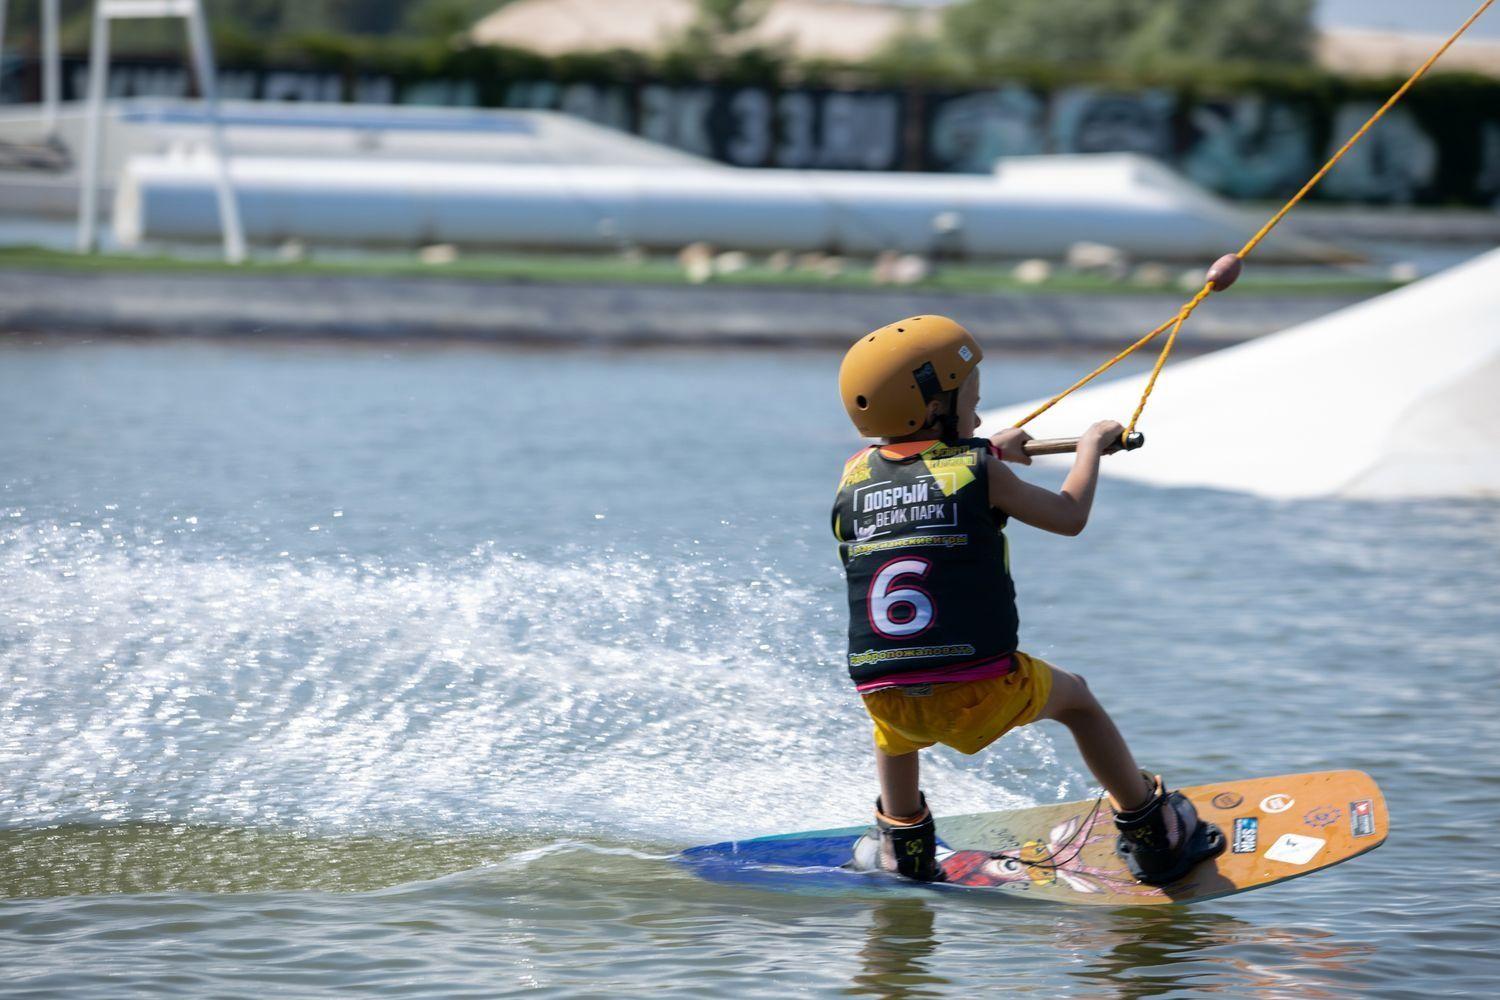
(1395, 397)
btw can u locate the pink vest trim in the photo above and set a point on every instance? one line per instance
(952, 675)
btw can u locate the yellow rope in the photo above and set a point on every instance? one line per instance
(1166, 349)
(1096, 372)
(1175, 323)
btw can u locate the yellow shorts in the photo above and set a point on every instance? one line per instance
(967, 716)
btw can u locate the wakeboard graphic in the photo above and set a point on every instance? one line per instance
(1278, 828)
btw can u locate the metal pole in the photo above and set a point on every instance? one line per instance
(208, 87)
(88, 193)
(51, 67)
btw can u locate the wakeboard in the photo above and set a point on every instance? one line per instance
(1277, 828)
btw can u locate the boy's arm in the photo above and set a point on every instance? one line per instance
(1067, 511)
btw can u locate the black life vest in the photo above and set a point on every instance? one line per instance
(926, 560)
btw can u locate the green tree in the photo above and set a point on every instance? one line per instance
(720, 26)
(1266, 32)
(447, 18)
(1049, 31)
(1129, 34)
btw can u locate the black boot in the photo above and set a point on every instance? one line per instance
(1164, 838)
(909, 848)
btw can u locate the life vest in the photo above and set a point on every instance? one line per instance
(926, 559)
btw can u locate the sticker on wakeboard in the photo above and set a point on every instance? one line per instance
(1295, 849)
(1277, 803)
(1362, 818)
(1246, 834)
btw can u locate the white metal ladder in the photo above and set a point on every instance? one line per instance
(201, 52)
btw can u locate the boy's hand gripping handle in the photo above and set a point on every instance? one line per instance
(1066, 446)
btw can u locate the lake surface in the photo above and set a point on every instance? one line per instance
(335, 669)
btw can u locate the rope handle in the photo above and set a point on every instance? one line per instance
(1066, 446)
(1226, 270)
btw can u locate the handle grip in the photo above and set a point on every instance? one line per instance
(1066, 446)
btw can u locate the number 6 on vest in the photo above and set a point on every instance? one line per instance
(897, 612)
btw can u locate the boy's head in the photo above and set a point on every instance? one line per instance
(913, 378)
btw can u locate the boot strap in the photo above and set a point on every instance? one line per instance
(915, 820)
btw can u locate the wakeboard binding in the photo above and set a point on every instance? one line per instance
(1164, 839)
(904, 845)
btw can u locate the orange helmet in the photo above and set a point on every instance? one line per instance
(888, 378)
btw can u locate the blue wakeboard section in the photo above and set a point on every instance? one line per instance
(799, 863)
(783, 852)
(795, 863)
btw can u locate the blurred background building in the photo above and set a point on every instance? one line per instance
(600, 126)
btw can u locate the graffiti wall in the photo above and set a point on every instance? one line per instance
(1439, 147)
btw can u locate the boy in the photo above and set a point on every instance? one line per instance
(932, 613)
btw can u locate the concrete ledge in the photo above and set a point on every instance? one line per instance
(39, 301)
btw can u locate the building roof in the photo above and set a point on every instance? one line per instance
(1357, 52)
(822, 29)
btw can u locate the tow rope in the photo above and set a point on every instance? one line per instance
(1227, 268)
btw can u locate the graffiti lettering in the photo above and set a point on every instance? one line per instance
(1244, 147)
(1393, 163)
(1089, 121)
(970, 132)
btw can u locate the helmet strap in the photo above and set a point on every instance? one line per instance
(948, 420)
(928, 383)
(931, 388)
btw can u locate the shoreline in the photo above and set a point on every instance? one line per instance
(436, 309)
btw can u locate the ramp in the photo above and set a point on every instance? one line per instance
(1396, 397)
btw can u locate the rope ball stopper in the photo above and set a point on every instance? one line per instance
(1225, 272)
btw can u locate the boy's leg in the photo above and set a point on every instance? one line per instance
(908, 835)
(1161, 837)
(900, 794)
(1103, 748)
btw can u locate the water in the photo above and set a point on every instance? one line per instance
(330, 669)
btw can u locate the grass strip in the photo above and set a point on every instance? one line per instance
(662, 270)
